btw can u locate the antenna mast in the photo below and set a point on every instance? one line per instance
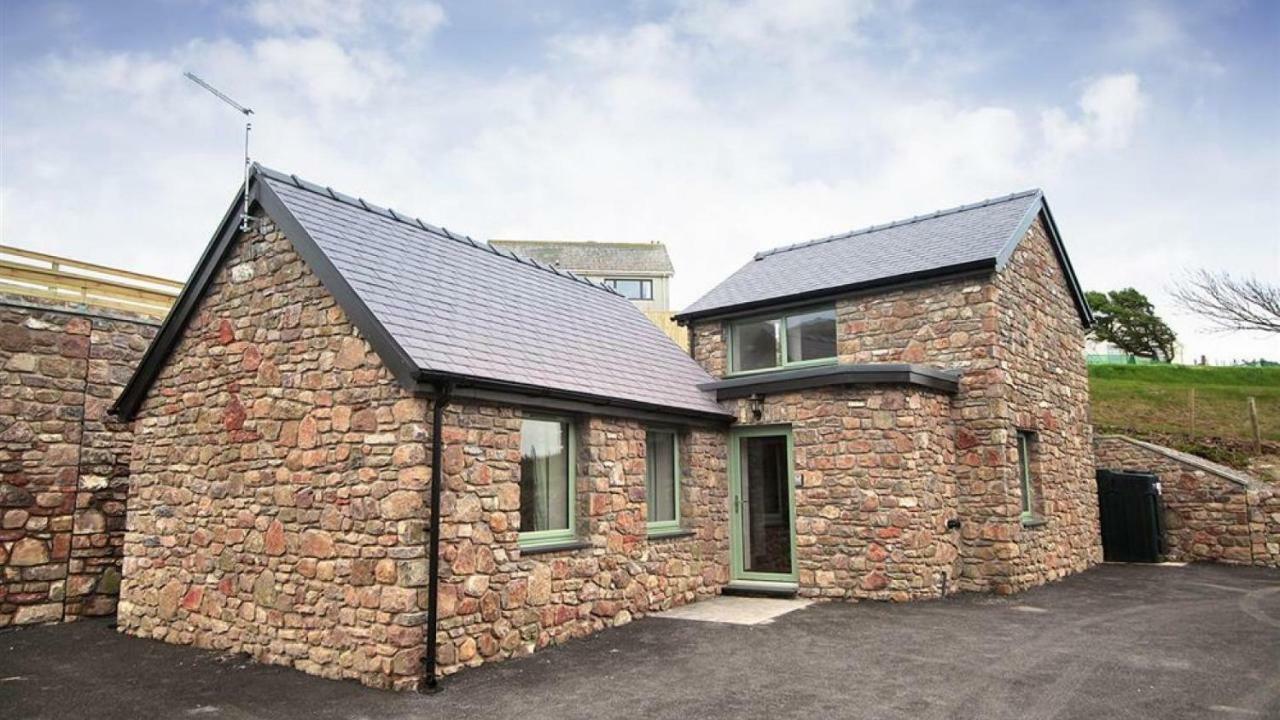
(244, 213)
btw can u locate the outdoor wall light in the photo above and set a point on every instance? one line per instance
(757, 405)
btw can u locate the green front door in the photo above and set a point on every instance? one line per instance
(762, 504)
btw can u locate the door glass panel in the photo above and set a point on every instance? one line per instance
(766, 505)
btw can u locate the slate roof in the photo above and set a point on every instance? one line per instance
(966, 238)
(437, 304)
(595, 258)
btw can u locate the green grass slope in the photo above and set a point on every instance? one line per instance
(1154, 401)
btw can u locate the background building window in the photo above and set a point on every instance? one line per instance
(799, 338)
(662, 479)
(632, 289)
(546, 481)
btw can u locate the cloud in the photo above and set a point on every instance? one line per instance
(1110, 109)
(346, 18)
(720, 129)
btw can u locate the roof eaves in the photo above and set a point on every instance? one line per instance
(526, 394)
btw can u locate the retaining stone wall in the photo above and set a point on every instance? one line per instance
(1207, 517)
(63, 459)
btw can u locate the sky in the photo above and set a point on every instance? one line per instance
(718, 128)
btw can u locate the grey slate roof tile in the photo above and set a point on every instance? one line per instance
(593, 258)
(947, 238)
(456, 307)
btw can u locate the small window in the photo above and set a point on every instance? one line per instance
(799, 338)
(546, 481)
(662, 480)
(631, 289)
(1026, 442)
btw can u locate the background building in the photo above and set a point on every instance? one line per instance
(641, 272)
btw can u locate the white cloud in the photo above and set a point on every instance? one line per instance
(346, 18)
(720, 130)
(758, 23)
(1110, 109)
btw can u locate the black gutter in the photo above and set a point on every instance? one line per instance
(895, 281)
(443, 392)
(829, 375)
(491, 390)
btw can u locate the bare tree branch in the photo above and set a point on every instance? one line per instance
(1230, 303)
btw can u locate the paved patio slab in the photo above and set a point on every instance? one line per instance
(736, 610)
(1127, 641)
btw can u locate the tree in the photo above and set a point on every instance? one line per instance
(1230, 303)
(1125, 318)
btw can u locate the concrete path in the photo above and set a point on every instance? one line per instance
(1121, 641)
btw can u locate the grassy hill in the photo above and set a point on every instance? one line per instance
(1154, 402)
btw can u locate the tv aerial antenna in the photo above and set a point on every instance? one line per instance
(248, 126)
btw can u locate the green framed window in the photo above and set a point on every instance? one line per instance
(547, 459)
(799, 338)
(1026, 441)
(662, 480)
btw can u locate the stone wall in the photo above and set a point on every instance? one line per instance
(874, 489)
(1042, 367)
(279, 480)
(63, 460)
(499, 602)
(1210, 513)
(1017, 338)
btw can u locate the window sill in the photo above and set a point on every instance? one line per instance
(551, 547)
(1033, 521)
(668, 533)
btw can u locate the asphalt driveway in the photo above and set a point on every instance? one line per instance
(1121, 641)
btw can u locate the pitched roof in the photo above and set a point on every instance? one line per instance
(594, 258)
(437, 305)
(947, 242)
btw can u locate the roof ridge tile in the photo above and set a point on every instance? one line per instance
(898, 223)
(442, 232)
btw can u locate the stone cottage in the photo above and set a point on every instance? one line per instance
(897, 413)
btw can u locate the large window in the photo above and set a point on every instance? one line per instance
(662, 480)
(799, 338)
(631, 289)
(1026, 441)
(546, 481)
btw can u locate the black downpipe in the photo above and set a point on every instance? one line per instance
(430, 683)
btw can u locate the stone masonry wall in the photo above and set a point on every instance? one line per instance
(1040, 355)
(63, 460)
(874, 489)
(498, 602)
(1207, 517)
(279, 476)
(1017, 338)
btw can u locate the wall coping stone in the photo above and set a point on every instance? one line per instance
(1199, 463)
